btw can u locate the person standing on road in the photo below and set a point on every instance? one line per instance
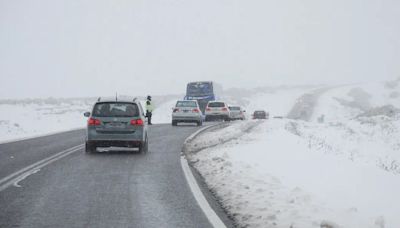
(149, 109)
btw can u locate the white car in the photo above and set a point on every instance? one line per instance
(187, 111)
(236, 113)
(217, 110)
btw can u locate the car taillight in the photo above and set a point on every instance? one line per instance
(176, 109)
(224, 109)
(208, 109)
(137, 122)
(94, 122)
(196, 110)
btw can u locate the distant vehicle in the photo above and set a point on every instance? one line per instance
(187, 112)
(260, 114)
(217, 110)
(116, 124)
(236, 113)
(203, 92)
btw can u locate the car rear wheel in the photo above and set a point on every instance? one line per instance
(90, 148)
(174, 123)
(200, 123)
(144, 148)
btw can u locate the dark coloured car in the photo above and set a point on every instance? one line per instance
(118, 124)
(260, 114)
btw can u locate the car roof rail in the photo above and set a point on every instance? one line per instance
(134, 99)
(98, 99)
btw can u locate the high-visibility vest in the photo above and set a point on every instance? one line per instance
(149, 107)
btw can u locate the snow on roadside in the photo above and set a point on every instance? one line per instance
(33, 119)
(339, 170)
(272, 177)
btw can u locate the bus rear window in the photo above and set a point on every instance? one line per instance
(201, 88)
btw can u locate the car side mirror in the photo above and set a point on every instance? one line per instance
(244, 110)
(87, 114)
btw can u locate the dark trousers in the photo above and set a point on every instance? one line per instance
(148, 115)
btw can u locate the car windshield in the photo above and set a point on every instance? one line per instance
(216, 104)
(259, 113)
(191, 104)
(116, 109)
(234, 108)
(199, 89)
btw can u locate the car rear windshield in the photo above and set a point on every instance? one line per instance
(191, 104)
(216, 104)
(115, 109)
(259, 112)
(234, 108)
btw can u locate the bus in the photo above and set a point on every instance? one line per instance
(203, 92)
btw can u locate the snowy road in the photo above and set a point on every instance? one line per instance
(99, 190)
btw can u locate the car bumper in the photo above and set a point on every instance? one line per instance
(187, 118)
(93, 135)
(115, 143)
(217, 116)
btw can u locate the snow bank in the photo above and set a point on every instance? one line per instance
(273, 177)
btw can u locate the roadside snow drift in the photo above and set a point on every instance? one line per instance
(340, 169)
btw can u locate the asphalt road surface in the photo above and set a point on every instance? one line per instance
(112, 189)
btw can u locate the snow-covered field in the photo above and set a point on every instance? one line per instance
(339, 170)
(32, 118)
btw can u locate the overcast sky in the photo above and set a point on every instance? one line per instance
(69, 48)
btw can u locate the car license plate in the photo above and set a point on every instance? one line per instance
(115, 125)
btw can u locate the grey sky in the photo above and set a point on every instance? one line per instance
(66, 48)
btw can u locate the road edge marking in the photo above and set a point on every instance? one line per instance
(10, 179)
(211, 215)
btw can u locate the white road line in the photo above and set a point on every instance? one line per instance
(212, 217)
(16, 177)
(22, 177)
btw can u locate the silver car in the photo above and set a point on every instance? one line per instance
(187, 111)
(116, 124)
(236, 113)
(217, 110)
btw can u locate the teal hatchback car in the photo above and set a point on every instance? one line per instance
(116, 124)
